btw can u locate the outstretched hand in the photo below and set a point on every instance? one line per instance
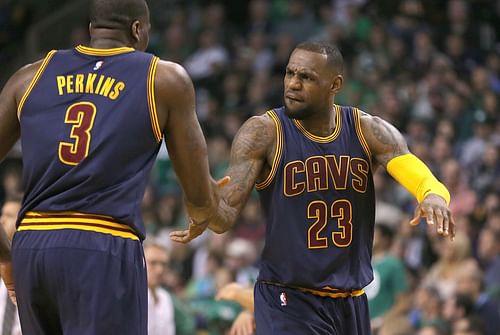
(197, 227)
(435, 211)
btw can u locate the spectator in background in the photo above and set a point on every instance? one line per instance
(435, 93)
(469, 326)
(208, 59)
(299, 21)
(432, 330)
(489, 258)
(244, 324)
(427, 309)
(453, 256)
(11, 181)
(470, 281)
(388, 292)
(473, 148)
(456, 178)
(160, 305)
(457, 307)
(9, 318)
(486, 175)
(241, 256)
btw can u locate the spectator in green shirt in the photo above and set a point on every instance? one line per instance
(387, 293)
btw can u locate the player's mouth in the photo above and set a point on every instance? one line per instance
(294, 97)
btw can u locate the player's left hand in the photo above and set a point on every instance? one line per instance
(435, 211)
(8, 279)
(197, 227)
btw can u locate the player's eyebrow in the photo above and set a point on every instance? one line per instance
(302, 70)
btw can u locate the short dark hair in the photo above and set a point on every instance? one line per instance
(386, 231)
(116, 14)
(465, 302)
(332, 52)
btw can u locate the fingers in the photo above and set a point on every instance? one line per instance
(180, 236)
(185, 236)
(429, 216)
(445, 226)
(452, 227)
(243, 325)
(438, 219)
(446, 222)
(223, 181)
(416, 217)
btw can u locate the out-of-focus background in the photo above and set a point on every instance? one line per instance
(431, 68)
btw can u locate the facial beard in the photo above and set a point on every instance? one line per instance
(298, 114)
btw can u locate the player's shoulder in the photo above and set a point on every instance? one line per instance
(265, 120)
(168, 71)
(259, 129)
(23, 77)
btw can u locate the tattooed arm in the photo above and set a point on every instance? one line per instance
(251, 154)
(177, 119)
(390, 150)
(251, 151)
(384, 140)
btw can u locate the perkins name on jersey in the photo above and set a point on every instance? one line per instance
(90, 84)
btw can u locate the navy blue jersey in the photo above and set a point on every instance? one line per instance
(90, 134)
(319, 206)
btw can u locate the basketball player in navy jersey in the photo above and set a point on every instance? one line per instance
(91, 121)
(312, 162)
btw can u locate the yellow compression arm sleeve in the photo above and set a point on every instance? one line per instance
(416, 177)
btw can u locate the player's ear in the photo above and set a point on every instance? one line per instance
(90, 29)
(337, 82)
(135, 30)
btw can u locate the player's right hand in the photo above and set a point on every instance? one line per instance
(244, 324)
(229, 292)
(8, 279)
(199, 218)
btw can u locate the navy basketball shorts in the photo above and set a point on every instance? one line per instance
(287, 311)
(79, 283)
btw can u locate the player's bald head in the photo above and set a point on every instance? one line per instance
(117, 14)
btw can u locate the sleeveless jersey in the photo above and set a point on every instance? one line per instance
(319, 205)
(90, 133)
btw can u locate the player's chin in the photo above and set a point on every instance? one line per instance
(295, 112)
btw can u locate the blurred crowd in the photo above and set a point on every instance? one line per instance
(431, 68)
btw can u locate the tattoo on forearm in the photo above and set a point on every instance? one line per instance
(247, 158)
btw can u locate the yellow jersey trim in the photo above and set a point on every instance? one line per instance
(155, 124)
(344, 294)
(321, 139)
(359, 132)
(277, 154)
(35, 79)
(324, 292)
(68, 213)
(102, 52)
(73, 220)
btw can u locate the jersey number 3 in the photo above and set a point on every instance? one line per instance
(81, 115)
(341, 212)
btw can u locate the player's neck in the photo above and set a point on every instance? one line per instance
(108, 39)
(322, 124)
